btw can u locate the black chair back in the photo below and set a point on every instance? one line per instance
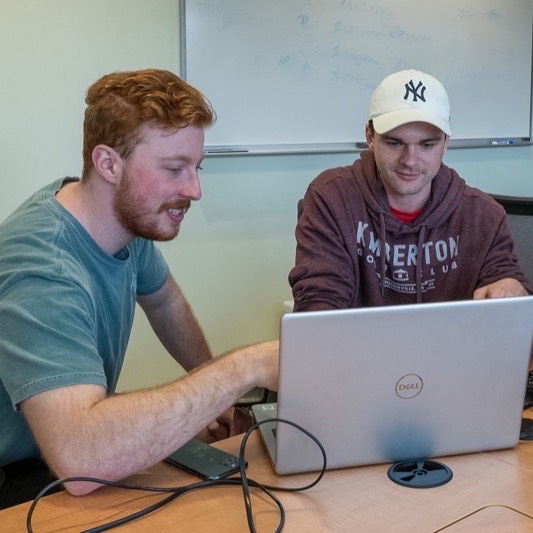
(520, 216)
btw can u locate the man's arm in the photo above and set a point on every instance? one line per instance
(81, 432)
(323, 275)
(501, 275)
(504, 288)
(175, 325)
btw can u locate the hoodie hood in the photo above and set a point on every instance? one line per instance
(446, 191)
(445, 196)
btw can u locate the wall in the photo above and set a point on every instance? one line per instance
(236, 245)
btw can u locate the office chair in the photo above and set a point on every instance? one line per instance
(300, 208)
(288, 305)
(520, 216)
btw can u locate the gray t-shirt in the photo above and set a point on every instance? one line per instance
(66, 309)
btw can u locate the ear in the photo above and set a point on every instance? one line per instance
(369, 137)
(108, 163)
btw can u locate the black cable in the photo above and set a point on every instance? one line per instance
(268, 488)
(242, 481)
(176, 494)
(147, 510)
(118, 484)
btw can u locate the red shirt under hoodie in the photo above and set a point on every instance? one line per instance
(352, 251)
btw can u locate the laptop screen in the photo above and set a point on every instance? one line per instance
(384, 384)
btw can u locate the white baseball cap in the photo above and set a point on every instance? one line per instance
(409, 96)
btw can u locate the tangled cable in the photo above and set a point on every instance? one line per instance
(175, 492)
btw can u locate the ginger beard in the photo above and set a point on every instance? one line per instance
(138, 218)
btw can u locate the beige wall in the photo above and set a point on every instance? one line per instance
(236, 245)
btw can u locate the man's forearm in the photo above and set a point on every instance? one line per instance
(120, 435)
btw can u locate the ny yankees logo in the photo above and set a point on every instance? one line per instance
(410, 88)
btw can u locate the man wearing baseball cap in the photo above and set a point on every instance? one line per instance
(398, 226)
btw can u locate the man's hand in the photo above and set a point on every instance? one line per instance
(504, 288)
(262, 358)
(232, 422)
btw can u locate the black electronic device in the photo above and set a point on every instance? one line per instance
(528, 401)
(204, 460)
(526, 429)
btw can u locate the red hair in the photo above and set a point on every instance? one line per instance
(119, 104)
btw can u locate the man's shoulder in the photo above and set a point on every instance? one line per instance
(36, 209)
(33, 243)
(473, 195)
(335, 178)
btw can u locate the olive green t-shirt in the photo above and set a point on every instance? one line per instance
(66, 309)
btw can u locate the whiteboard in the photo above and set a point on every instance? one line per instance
(298, 75)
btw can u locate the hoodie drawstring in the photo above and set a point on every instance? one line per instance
(419, 262)
(382, 243)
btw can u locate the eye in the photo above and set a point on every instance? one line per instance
(392, 143)
(429, 145)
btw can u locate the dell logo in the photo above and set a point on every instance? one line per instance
(409, 386)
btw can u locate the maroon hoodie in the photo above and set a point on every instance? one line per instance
(352, 252)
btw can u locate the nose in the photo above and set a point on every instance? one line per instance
(409, 155)
(190, 187)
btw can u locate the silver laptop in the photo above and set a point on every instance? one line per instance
(385, 384)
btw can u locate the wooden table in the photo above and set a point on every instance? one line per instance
(490, 491)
